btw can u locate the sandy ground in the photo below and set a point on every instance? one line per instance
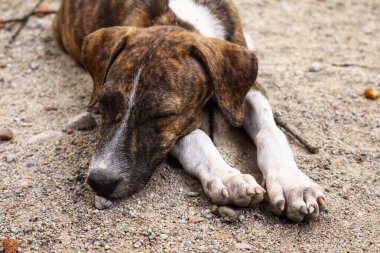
(46, 205)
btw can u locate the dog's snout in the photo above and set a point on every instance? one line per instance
(102, 183)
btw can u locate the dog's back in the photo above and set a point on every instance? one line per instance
(78, 18)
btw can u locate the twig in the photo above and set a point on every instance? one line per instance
(34, 13)
(347, 65)
(24, 21)
(312, 149)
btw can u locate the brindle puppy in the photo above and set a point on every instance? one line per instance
(155, 64)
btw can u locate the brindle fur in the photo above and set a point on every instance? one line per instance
(180, 71)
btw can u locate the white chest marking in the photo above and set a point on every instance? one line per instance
(199, 16)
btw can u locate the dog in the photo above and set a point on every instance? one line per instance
(156, 65)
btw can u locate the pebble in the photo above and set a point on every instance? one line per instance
(315, 67)
(102, 203)
(199, 237)
(226, 213)
(34, 66)
(82, 122)
(164, 236)
(152, 236)
(10, 158)
(45, 136)
(193, 194)
(137, 244)
(195, 219)
(243, 246)
(6, 135)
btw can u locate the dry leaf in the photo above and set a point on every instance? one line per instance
(10, 245)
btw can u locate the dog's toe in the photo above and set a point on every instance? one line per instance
(234, 188)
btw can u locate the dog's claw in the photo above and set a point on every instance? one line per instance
(225, 193)
(303, 210)
(281, 205)
(322, 203)
(251, 192)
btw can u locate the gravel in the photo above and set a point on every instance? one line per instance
(48, 208)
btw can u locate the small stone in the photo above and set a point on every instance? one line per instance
(107, 247)
(243, 246)
(228, 214)
(34, 66)
(96, 243)
(69, 131)
(10, 158)
(193, 194)
(195, 219)
(82, 122)
(199, 237)
(45, 136)
(102, 203)
(6, 135)
(238, 239)
(164, 236)
(307, 115)
(137, 244)
(315, 67)
(152, 236)
(132, 214)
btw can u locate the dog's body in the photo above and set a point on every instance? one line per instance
(154, 69)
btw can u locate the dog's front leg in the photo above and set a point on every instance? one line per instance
(223, 184)
(290, 191)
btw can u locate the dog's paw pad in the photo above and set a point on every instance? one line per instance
(234, 188)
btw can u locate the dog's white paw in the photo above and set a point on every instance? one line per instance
(231, 187)
(292, 193)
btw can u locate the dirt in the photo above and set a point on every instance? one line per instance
(46, 204)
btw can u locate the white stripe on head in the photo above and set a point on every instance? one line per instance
(199, 16)
(105, 157)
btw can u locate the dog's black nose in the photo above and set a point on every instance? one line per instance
(103, 184)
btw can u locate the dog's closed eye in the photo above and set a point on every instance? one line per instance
(165, 115)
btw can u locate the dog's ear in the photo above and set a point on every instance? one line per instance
(233, 71)
(99, 51)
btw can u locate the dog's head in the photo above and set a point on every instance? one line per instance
(151, 85)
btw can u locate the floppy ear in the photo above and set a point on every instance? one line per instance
(233, 71)
(99, 51)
